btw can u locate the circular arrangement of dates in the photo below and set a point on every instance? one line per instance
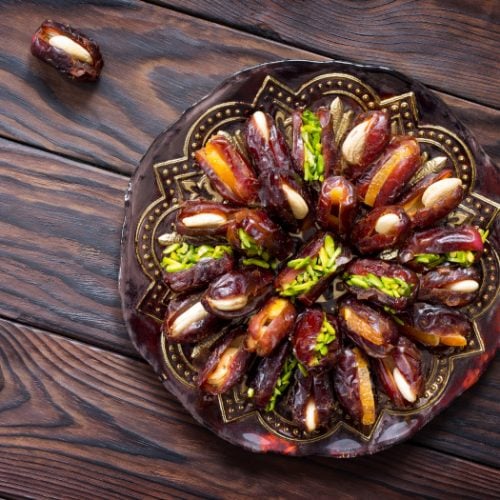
(297, 266)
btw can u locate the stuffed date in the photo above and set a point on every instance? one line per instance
(316, 340)
(382, 282)
(238, 293)
(354, 387)
(203, 218)
(372, 330)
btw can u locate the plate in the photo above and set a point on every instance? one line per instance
(168, 174)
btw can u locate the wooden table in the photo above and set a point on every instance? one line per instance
(81, 416)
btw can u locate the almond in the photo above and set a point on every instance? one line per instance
(195, 313)
(230, 304)
(297, 204)
(354, 144)
(403, 386)
(440, 190)
(69, 46)
(387, 224)
(206, 220)
(464, 286)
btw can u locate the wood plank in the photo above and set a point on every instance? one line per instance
(158, 62)
(56, 274)
(452, 46)
(78, 421)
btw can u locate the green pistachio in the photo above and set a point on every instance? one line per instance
(314, 165)
(180, 257)
(394, 287)
(283, 382)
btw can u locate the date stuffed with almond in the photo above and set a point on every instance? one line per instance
(203, 218)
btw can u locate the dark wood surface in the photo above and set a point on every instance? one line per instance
(80, 414)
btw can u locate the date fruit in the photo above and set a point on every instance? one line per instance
(228, 171)
(270, 326)
(316, 340)
(366, 141)
(238, 293)
(226, 364)
(382, 282)
(433, 325)
(386, 179)
(428, 249)
(187, 321)
(312, 401)
(354, 387)
(400, 373)
(433, 198)
(372, 330)
(383, 227)
(68, 50)
(203, 218)
(308, 275)
(337, 205)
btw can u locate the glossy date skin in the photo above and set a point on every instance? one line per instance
(337, 205)
(268, 372)
(371, 234)
(265, 143)
(68, 50)
(400, 373)
(267, 234)
(306, 343)
(226, 364)
(187, 321)
(268, 327)
(450, 286)
(238, 293)
(312, 401)
(354, 387)
(423, 208)
(383, 269)
(228, 171)
(372, 330)
(433, 325)
(439, 241)
(384, 181)
(198, 276)
(203, 218)
(366, 141)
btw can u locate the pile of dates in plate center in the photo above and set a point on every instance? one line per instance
(252, 276)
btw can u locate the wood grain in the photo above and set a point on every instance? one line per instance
(157, 63)
(80, 422)
(450, 45)
(60, 224)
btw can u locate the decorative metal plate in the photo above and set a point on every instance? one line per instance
(169, 175)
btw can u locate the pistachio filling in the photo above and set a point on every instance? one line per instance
(283, 382)
(464, 258)
(258, 256)
(314, 164)
(313, 268)
(394, 287)
(326, 336)
(183, 256)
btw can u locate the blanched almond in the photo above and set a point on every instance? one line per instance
(464, 286)
(261, 123)
(297, 204)
(221, 370)
(387, 224)
(69, 46)
(195, 313)
(440, 190)
(207, 220)
(403, 386)
(311, 415)
(230, 304)
(354, 144)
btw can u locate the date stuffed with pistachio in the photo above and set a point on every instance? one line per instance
(433, 198)
(308, 275)
(226, 365)
(385, 180)
(68, 50)
(228, 170)
(372, 330)
(400, 373)
(383, 227)
(268, 327)
(187, 321)
(312, 401)
(450, 286)
(461, 246)
(187, 267)
(316, 340)
(434, 326)
(238, 293)
(365, 142)
(255, 234)
(354, 387)
(203, 218)
(337, 205)
(313, 150)
(384, 283)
